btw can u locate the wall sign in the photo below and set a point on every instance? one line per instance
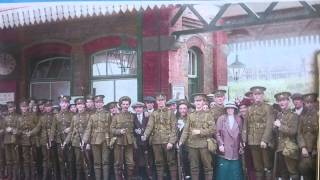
(178, 92)
(5, 97)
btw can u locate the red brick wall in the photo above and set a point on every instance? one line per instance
(220, 76)
(155, 63)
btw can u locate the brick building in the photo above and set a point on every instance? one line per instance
(69, 56)
(81, 51)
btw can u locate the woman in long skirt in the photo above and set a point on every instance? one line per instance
(228, 135)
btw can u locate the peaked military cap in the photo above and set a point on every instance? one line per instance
(282, 95)
(48, 103)
(297, 96)
(79, 100)
(137, 104)
(160, 96)
(125, 98)
(171, 102)
(63, 98)
(89, 97)
(310, 97)
(111, 105)
(197, 96)
(183, 101)
(149, 99)
(98, 98)
(257, 89)
(24, 102)
(10, 104)
(219, 92)
(41, 101)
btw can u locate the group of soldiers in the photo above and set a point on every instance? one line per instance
(162, 139)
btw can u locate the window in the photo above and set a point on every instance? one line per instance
(51, 78)
(192, 63)
(114, 74)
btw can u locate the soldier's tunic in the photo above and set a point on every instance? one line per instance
(307, 138)
(287, 132)
(43, 128)
(197, 144)
(58, 134)
(123, 149)
(27, 123)
(257, 128)
(217, 111)
(2, 159)
(10, 143)
(98, 135)
(79, 123)
(162, 130)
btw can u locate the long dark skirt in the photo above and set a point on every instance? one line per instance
(228, 169)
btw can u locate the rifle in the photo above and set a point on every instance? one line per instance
(64, 159)
(180, 165)
(146, 157)
(83, 151)
(49, 151)
(275, 160)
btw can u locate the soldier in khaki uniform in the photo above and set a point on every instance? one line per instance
(43, 128)
(79, 123)
(59, 131)
(122, 128)
(2, 159)
(97, 134)
(257, 133)
(218, 109)
(90, 104)
(161, 129)
(10, 129)
(26, 124)
(307, 137)
(286, 127)
(198, 129)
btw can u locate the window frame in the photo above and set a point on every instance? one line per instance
(111, 76)
(195, 69)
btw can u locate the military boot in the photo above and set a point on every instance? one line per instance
(105, 172)
(195, 174)
(173, 173)
(45, 173)
(97, 173)
(131, 175)
(208, 175)
(118, 173)
(268, 175)
(78, 175)
(259, 176)
(27, 175)
(295, 177)
(160, 173)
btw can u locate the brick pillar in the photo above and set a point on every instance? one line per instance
(220, 71)
(80, 67)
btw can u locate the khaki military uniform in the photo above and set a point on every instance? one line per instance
(124, 144)
(10, 128)
(77, 129)
(26, 124)
(58, 134)
(287, 132)
(2, 158)
(98, 135)
(257, 128)
(217, 111)
(162, 130)
(197, 144)
(43, 128)
(307, 138)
